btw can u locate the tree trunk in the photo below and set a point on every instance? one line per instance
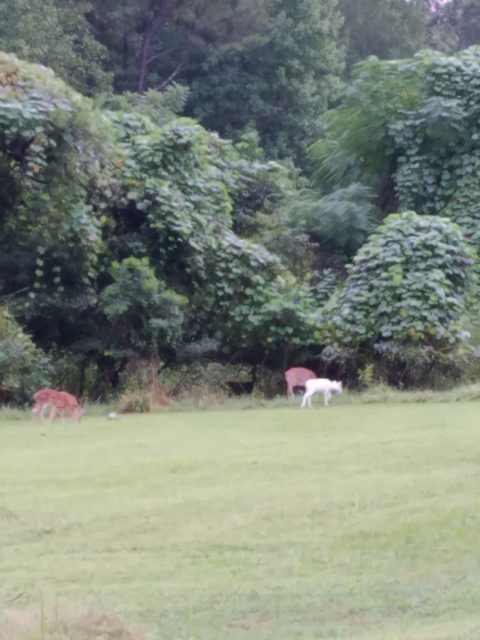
(81, 378)
(125, 52)
(144, 55)
(152, 23)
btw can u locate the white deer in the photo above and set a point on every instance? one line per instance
(320, 385)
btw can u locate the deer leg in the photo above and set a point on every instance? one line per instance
(53, 413)
(43, 410)
(36, 412)
(304, 399)
(307, 399)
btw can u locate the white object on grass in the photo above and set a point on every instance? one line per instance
(320, 385)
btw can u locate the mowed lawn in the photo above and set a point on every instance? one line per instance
(356, 521)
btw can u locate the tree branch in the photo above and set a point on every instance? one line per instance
(172, 76)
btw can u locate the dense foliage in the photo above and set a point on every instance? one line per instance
(120, 233)
(136, 234)
(282, 84)
(408, 130)
(407, 285)
(23, 367)
(384, 28)
(58, 35)
(267, 65)
(455, 25)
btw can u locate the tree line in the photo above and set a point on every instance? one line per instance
(271, 66)
(221, 181)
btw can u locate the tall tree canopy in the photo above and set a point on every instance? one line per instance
(384, 28)
(280, 86)
(58, 35)
(265, 66)
(153, 42)
(455, 25)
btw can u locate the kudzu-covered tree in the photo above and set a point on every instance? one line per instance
(404, 297)
(406, 128)
(121, 232)
(57, 34)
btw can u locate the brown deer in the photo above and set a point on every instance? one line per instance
(58, 402)
(297, 377)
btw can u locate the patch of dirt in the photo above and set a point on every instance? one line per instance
(251, 621)
(8, 514)
(341, 613)
(17, 624)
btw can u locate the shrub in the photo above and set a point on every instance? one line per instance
(402, 303)
(423, 366)
(143, 391)
(407, 284)
(23, 367)
(135, 402)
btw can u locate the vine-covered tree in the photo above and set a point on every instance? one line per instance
(56, 34)
(120, 232)
(403, 298)
(409, 129)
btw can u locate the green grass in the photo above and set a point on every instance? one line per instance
(358, 521)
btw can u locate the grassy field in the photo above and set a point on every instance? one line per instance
(356, 521)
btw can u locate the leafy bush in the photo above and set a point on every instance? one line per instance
(160, 106)
(121, 230)
(409, 129)
(407, 284)
(339, 222)
(138, 401)
(23, 368)
(143, 312)
(404, 295)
